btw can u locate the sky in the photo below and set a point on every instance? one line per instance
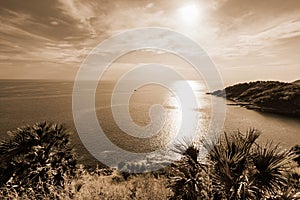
(247, 40)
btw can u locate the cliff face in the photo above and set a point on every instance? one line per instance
(269, 96)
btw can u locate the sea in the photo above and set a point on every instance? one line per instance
(113, 125)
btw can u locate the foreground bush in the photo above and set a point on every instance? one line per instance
(296, 149)
(236, 168)
(37, 162)
(36, 159)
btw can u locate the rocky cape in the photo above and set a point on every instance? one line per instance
(266, 96)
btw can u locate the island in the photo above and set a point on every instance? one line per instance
(266, 96)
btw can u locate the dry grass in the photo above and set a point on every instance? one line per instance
(99, 186)
(115, 187)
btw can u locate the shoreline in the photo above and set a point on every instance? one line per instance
(264, 96)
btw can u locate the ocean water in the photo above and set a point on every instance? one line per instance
(28, 101)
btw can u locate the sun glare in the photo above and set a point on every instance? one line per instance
(190, 13)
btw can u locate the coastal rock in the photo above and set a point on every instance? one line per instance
(267, 96)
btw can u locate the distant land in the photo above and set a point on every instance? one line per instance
(266, 96)
(297, 82)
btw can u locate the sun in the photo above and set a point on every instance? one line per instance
(189, 14)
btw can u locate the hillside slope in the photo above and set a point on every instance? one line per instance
(268, 96)
(296, 82)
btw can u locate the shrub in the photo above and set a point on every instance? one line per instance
(189, 179)
(236, 168)
(296, 149)
(273, 168)
(36, 158)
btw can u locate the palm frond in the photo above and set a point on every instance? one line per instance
(272, 165)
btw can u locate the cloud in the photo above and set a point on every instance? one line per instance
(64, 31)
(54, 22)
(30, 38)
(216, 4)
(149, 5)
(80, 11)
(254, 32)
(15, 17)
(284, 30)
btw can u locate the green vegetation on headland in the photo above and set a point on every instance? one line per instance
(38, 162)
(267, 96)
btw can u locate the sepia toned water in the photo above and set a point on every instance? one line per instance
(26, 102)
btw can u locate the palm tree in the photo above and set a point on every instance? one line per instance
(236, 168)
(35, 154)
(189, 177)
(230, 158)
(273, 168)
